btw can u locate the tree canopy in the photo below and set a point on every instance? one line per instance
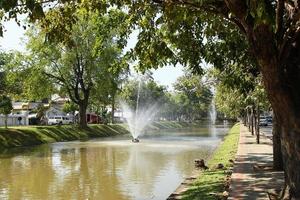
(5, 107)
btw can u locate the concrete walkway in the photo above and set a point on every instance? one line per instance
(252, 174)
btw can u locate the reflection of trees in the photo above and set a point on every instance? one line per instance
(91, 176)
(142, 168)
(26, 175)
(89, 171)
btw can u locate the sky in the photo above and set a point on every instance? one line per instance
(12, 40)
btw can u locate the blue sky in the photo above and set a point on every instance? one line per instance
(12, 40)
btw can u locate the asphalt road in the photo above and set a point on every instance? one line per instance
(266, 130)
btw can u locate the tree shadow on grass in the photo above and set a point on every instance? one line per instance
(209, 182)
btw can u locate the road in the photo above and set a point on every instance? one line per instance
(266, 130)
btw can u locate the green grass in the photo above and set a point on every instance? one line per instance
(171, 125)
(212, 180)
(34, 135)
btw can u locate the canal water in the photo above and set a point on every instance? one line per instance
(107, 169)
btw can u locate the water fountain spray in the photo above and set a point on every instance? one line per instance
(139, 118)
(212, 114)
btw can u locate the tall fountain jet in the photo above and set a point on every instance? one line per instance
(213, 115)
(139, 118)
(212, 109)
(212, 112)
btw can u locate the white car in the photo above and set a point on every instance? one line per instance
(59, 120)
(263, 122)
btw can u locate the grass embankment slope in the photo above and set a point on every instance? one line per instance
(160, 125)
(34, 135)
(214, 180)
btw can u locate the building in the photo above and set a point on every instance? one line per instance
(15, 120)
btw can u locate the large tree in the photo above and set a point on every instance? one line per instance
(142, 92)
(194, 96)
(106, 94)
(270, 32)
(81, 61)
(5, 107)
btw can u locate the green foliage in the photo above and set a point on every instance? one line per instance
(238, 88)
(150, 92)
(260, 96)
(2, 73)
(192, 96)
(230, 101)
(86, 63)
(8, 85)
(70, 107)
(24, 81)
(5, 105)
(190, 100)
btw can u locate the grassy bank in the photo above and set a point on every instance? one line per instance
(161, 125)
(213, 180)
(34, 135)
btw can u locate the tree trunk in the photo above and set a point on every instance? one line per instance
(5, 121)
(255, 120)
(249, 119)
(252, 120)
(282, 80)
(82, 114)
(244, 119)
(290, 146)
(257, 124)
(113, 109)
(277, 154)
(282, 85)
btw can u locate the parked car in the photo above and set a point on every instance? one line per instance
(59, 120)
(269, 119)
(263, 122)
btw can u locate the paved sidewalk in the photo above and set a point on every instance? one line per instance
(250, 182)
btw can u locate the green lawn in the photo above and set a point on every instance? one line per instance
(212, 180)
(34, 135)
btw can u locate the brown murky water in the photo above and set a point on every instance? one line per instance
(110, 169)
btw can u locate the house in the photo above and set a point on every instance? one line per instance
(15, 120)
(24, 107)
(58, 101)
(25, 110)
(20, 113)
(92, 118)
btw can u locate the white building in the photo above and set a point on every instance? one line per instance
(15, 120)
